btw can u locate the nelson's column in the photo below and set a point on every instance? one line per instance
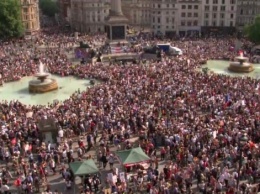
(116, 23)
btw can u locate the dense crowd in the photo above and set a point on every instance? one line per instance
(193, 120)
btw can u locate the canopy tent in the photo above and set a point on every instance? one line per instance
(80, 168)
(132, 156)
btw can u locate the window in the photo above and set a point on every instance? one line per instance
(207, 1)
(196, 15)
(158, 27)
(189, 23)
(232, 1)
(231, 15)
(223, 1)
(183, 14)
(159, 6)
(241, 12)
(158, 20)
(172, 20)
(231, 23)
(232, 8)
(25, 10)
(214, 15)
(221, 23)
(214, 23)
(167, 20)
(206, 23)
(183, 7)
(27, 25)
(153, 19)
(206, 8)
(189, 6)
(168, 5)
(182, 23)
(196, 7)
(189, 15)
(223, 8)
(206, 15)
(195, 23)
(167, 27)
(215, 8)
(215, 1)
(222, 15)
(159, 12)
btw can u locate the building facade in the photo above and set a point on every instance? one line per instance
(168, 17)
(64, 6)
(189, 17)
(247, 10)
(88, 15)
(140, 13)
(30, 16)
(163, 17)
(218, 16)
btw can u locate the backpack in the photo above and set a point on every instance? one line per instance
(79, 151)
(88, 138)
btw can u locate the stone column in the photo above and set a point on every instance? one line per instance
(116, 7)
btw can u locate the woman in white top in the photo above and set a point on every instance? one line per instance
(140, 180)
(68, 184)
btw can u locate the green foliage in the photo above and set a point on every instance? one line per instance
(205, 70)
(49, 7)
(253, 31)
(10, 19)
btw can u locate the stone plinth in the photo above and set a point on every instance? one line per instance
(116, 22)
(119, 57)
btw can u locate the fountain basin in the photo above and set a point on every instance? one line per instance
(221, 67)
(240, 67)
(42, 85)
(18, 90)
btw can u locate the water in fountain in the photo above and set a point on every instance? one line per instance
(41, 68)
(241, 54)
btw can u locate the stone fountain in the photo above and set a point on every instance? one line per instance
(241, 65)
(43, 83)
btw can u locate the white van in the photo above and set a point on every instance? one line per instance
(176, 51)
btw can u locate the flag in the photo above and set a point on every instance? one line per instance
(17, 182)
(13, 141)
(78, 54)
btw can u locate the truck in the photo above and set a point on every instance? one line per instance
(169, 50)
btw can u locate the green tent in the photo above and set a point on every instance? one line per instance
(132, 156)
(80, 168)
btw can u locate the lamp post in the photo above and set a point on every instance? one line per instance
(242, 142)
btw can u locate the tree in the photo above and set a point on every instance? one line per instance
(253, 31)
(49, 7)
(10, 16)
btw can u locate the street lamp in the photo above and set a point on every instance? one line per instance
(242, 142)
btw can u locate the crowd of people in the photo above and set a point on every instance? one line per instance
(195, 121)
